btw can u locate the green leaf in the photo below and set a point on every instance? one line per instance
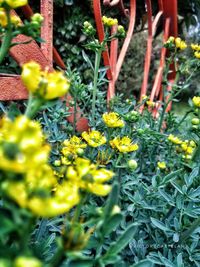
(82, 263)
(111, 224)
(143, 263)
(121, 243)
(170, 177)
(86, 58)
(13, 111)
(193, 174)
(112, 200)
(159, 224)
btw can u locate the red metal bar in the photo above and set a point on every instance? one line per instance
(113, 62)
(127, 39)
(46, 9)
(100, 31)
(158, 78)
(148, 51)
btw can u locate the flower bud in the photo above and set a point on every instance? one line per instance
(132, 164)
(195, 121)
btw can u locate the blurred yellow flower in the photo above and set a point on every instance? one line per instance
(22, 145)
(65, 197)
(3, 18)
(31, 76)
(24, 261)
(197, 54)
(15, 3)
(94, 138)
(46, 85)
(123, 145)
(112, 120)
(89, 178)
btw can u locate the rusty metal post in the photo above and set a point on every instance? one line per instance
(46, 9)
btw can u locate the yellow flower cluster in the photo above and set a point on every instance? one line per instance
(196, 101)
(123, 145)
(180, 43)
(176, 42)
(174, 139)
(89, 178)
(23, 152)
(196, 49)
(22, 145)
(71, 149)
(15, 20)
(14, 3)
(46, 85)
(94, 138)
(186, 147)
(109, 21)
(112, 120)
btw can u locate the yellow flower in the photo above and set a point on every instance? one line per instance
(16, 3)
(3, 18)
(112, 120)
(123, 145)
(161, 165)
(17, 191)
(65, 197)
(174, 139)
(180, 43)
(31, 76)
(197, 54)
(150, 103)
(195, 47)
(196, 101)
(57, 85)
(89, 178)
(46, 85)
(22, 145)
(109, 21)
(24, 261)
(71, 149)
(94, 138)
(16, 20)
(144, 97)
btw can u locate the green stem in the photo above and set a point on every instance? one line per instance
(33, 106)
(96, 74)
(7, 37)
(192, 228)
(78, 208)
(168, 101)
(75, 112)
